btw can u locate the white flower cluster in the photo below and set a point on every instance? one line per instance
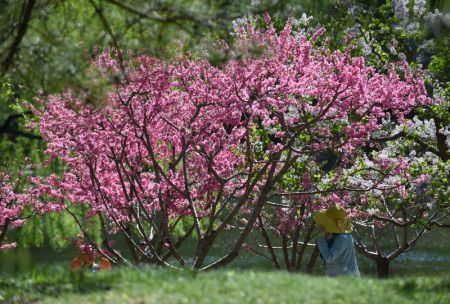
(302, 26)
(302, 22)
(439, 91)
(419, 7)
(425, 129)
(428, 44)
(365, 181)
(239, 23)
(389, 128)
(392, 46)
(410, 23)
(353, 30)
(400, 8)
(365, 42)
(412, 27)
(352, 10)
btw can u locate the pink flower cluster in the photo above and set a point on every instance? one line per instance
(12, 205)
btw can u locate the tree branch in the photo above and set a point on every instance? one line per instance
(13, 49)
(10, 128)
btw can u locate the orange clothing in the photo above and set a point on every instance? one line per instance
(88, 260)
(82, 260)
(105, 264)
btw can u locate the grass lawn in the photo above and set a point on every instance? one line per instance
(151, 285)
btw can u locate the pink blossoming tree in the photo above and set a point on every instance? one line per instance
(11, 208)
(204, 147)
(16, 205)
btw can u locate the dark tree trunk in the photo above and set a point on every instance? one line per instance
(204, 245)
(3, 230)
(294, 247)
(313, 259)
(303, 248)
(251, 221)
(131, 246)
(285, 252)
(269, 243)
(22, 29)
(382, 267)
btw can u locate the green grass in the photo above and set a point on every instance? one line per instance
(150, 285)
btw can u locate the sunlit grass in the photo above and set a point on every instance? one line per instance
(150, 285)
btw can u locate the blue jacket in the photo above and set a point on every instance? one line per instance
(338, 253)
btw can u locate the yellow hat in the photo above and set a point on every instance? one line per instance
(334, 220)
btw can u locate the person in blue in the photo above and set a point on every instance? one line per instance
(336, 244)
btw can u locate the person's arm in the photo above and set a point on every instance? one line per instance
(330, 254)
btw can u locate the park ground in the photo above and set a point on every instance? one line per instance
(150, 285)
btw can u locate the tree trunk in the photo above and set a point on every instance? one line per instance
(285, 252)
(3, 230)
(204, 245)
(131, 246)
(303, 248)
(238, 244)
(269, 243)
(294, 248)
(383, 267)
(313, 259)
(22, 29)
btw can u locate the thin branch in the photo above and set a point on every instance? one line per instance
(156, 17)
(88, 237)
(389, 138)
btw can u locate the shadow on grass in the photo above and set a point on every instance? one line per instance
(424, 284)
(52, 281)
(58, 282)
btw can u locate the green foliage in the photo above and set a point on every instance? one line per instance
(6, 90)
(183, 225)
(31, 233)
(61, 229)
